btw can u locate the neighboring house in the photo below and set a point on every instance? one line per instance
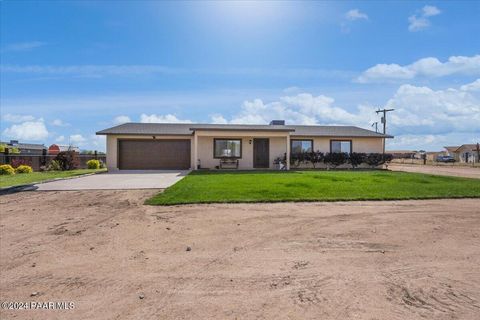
(433, 155)
(452, 151)
(191, 146)
(56, 148)
(25, 148)
(466, 153)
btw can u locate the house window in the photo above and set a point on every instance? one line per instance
(227, 148)
(337, 146)
(299, 146)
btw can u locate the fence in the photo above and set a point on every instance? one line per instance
(36, 161)
(434, 163)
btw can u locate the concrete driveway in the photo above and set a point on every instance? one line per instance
(120, 180)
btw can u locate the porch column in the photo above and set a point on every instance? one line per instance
(195, 151)
(288, 152)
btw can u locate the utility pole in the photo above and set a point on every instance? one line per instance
(384, 118)
(376, 126)
(384, 121)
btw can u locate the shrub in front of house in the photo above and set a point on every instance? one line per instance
(335, 159)
(23, 169)
(356, 159)
(54, 165)
(93, 164)
(68, 160)
(6, 169)
(297, 158)
(20, 162)
(315, 157)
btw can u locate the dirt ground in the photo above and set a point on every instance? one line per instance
(118, 259)
(458, 171)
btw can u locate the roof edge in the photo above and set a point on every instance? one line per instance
(243, 129)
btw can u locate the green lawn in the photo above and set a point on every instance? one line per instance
(210, 187)
(29, 178)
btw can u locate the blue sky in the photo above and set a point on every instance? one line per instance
(69, 69)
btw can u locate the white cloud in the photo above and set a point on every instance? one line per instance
(421, 110)
(23, 46)
(420, 21)
(90, 142)
(168, 118)
(474, 86)
(60, 139)
(59, 123)
(417, 23)
(423, 117)
(121, 119)
(17, 118)
(34, 130)
(218, 119)
(426, 67)
(97, 142)
(430, 11)
(98, 71)
(77, 139)
(355, 14)
(303, 108)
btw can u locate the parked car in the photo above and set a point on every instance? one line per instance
(445, 159)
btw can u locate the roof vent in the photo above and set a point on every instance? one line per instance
(277, 122)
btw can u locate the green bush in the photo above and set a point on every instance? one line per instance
(6, 169)
(54, 165)
(23, 169)
(93, 164)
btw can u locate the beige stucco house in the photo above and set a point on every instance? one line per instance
(147, 146)
(466, 153)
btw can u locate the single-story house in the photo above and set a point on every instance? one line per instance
(25, 148)
(466, 153)
(147, 146)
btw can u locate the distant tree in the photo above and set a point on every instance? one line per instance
(11, 150)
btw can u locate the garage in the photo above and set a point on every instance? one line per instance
(162, 154)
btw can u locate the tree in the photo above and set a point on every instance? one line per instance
(11, 150)
(68, 160)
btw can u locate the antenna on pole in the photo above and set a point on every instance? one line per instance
(384, 118)
(376, 125)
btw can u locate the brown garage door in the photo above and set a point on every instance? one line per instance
(153, 154)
